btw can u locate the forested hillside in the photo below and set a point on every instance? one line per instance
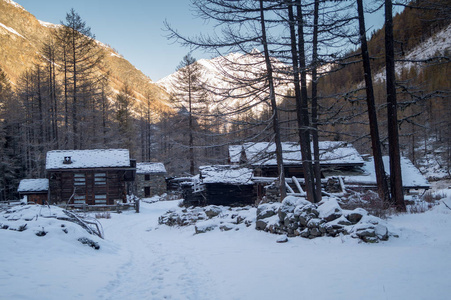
(422, 33)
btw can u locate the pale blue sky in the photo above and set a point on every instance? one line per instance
(134, 27)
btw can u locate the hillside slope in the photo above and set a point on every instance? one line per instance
(22, 36)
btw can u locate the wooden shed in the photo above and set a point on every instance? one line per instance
(92, 177)
(226, 185)
(35, 190)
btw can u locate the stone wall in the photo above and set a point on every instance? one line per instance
(298, 217)
(156, 184)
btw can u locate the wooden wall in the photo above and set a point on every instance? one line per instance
(230, 195)
(100, 186)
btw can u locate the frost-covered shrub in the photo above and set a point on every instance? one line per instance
(104, 215)
(89, 242)
(368, 200)
(432, 197)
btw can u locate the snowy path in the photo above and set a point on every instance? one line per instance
(154, 264)
(141, 260)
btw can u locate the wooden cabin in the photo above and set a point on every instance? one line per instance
(335, 158)
(92, 177)
(34, 190)
(339, 162)
(150, 179)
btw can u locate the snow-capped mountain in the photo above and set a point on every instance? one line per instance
(232, 81)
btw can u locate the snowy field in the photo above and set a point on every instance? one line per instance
(140, 259)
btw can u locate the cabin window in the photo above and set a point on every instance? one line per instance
(100, 178)
(79, 179)
(100, 199)
(79, 199)
(146, 177)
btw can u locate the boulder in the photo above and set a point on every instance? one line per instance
(381, 232)
(315, 223)
(226, 227)
(329, 209)
(367, 233)
(260, 225)
(334, 229)
(356, 215)
(305, 213)
(267, 210)
(305, 233)
(205, 226)
(212, 211)
(282, 239)
(314, 232)
(289, 204)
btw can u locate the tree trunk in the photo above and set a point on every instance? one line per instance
(392, 117)
(381, 179)
(275, 115)
(300, 88)
(75, 91)
(191, 141)
(315, 133)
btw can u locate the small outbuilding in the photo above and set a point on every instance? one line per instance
(150, 179)
(226, 185)
(34, 190)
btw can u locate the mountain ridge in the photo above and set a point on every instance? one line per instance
(22, 36)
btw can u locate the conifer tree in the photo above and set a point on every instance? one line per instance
(79, 57)
(9, 139)
(189, 96)
(124, 117)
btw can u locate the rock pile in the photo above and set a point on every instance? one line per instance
(298, 217)
(210, 217)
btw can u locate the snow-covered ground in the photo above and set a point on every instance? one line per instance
(140, 259)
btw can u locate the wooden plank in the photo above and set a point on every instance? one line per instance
(289, 188)
(298, 185)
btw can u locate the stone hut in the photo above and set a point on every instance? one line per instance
(150, 179)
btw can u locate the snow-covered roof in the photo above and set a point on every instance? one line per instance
(235, 153)
(81, 159)
(33, 185)
(150, 168)
(411, 176)
(226, 174)
(263, 153)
